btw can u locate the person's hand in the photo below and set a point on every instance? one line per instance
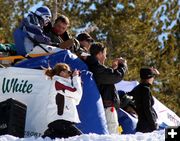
(76, 72)
(115, 63)
(156, 71)
(156, 126)
(122, 61)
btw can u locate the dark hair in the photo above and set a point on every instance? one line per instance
(63, 19)
(84, 37)
(96, 48)
(56, 70)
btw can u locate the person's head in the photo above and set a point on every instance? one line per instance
(61, 24)
(44, 14)
(99, 51)
(85, 40)
(60, 69)
(147, 74)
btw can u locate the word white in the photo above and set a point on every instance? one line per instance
(14, 85)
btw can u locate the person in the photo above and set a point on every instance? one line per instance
(68, 93)
(85, 41)
(144, 101)
(105, 78)
(127, 103)
(59, 34)
(33, 26)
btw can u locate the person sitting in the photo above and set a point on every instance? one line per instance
(67, 95)
(58, 33)
(36, 41)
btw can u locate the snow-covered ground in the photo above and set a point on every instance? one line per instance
(154, 136)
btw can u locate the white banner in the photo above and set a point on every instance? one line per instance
(30, 87)
(165, 115)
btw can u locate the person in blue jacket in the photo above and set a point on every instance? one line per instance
(34, 25)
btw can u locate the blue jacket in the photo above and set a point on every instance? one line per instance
(33, 26)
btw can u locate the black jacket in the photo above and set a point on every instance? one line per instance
(56, 38)
(105, 78)
(144, 102)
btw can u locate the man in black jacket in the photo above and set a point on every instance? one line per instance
(144, 101)
(105, 78)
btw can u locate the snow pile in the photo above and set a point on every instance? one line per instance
(154, 136)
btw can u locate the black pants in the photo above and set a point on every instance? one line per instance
(61, 129)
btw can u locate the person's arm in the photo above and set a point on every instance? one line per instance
(35, 31)
(106, 75)
(147, 106)
(74, 91)
(79, 91)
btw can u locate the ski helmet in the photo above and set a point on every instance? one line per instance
(44, 13)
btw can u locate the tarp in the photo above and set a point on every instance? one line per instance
(90, 109)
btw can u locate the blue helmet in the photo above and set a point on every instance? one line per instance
(44, 13)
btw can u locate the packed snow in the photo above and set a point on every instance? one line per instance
(154, 136)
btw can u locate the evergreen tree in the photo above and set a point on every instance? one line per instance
(11, 14)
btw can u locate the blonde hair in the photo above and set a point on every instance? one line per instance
(50, 72)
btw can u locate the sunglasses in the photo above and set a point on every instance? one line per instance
(67, 71)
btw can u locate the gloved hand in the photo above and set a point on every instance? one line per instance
(157, 126)
(76, 45)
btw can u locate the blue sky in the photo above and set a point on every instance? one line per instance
(36, 6)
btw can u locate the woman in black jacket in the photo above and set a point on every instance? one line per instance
(144, 101)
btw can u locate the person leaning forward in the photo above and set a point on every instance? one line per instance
(58, 33)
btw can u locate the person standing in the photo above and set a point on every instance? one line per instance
(105, 78)
(144, 101)
(65, 98)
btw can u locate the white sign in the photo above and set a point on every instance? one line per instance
(30, 87)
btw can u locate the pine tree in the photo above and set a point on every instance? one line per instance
(11, 14)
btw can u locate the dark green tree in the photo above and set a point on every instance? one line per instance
(11, 14)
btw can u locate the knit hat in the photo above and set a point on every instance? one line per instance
(146, 73)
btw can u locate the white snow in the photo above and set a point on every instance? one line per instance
(154, 136)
